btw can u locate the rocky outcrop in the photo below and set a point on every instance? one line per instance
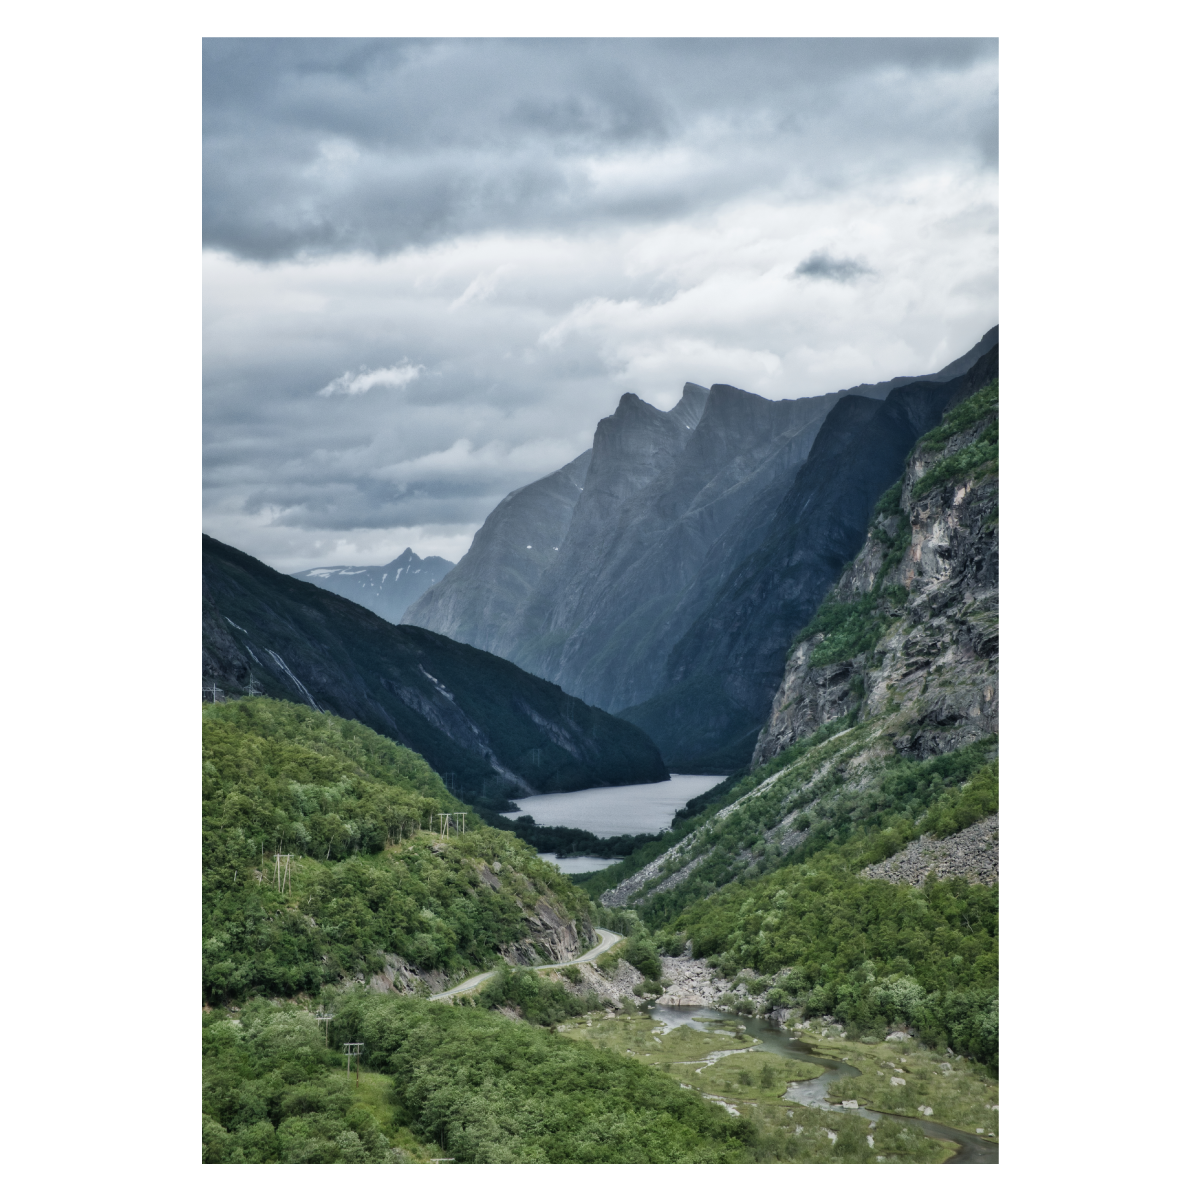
(611, 989)
(690, 981)
(553, 937)
(400, 976)
(928, 577)
(972, 853)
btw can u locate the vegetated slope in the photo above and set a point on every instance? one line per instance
(489, 728)
(371, 892)
(883, 730)
(723, 672)
(388, 590)
(643, 548)
(484, 1088)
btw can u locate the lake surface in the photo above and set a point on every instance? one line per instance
(636, 808)
(577, 864)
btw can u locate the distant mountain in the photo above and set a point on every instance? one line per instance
(386, 591)
(489, 729)
(601, 576)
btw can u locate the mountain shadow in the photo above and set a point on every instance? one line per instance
(491, 730)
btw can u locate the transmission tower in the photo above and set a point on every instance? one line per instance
(352, 1050)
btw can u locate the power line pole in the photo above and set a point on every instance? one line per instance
(352, 1050)
(324, 1018)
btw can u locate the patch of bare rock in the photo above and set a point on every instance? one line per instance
(973, 852)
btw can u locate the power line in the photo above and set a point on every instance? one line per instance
(352, 1050)
(324, 1018)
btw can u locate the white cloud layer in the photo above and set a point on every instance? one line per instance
(789, 250)
(350, 383)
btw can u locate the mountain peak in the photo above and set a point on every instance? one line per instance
(691, 404)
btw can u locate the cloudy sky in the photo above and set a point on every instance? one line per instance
(431, 266)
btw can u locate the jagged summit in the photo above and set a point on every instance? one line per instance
(387, 590)
(687, 548)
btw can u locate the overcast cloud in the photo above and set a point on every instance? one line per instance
(432, 266)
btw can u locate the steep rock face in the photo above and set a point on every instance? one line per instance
(728, 665)
(933, 570)
(695, 545)
(478, 601)
(636, 563)
(553, 936)
(387, 591)
(492, 730)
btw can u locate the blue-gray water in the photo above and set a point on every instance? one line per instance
(636, 808)
(579, 863)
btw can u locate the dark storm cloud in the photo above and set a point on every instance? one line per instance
(318, 146)
(822, 265)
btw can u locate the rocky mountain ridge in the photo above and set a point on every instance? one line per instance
(901, 659)
(662, 575)
(388, 590)
(930, 574)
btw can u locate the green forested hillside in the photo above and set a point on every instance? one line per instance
(368, 877)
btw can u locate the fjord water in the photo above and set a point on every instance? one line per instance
(608, 811)
(811, 1093)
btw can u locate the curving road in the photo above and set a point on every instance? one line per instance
(608, 940)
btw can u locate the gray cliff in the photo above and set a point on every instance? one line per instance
(933, 568)
(479, 600)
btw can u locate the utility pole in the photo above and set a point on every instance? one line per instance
(324, 1018)
(283, 872)
(352, 1050)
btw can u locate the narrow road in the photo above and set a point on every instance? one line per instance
(608, 940)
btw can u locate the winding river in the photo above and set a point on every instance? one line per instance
(811, 1093)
